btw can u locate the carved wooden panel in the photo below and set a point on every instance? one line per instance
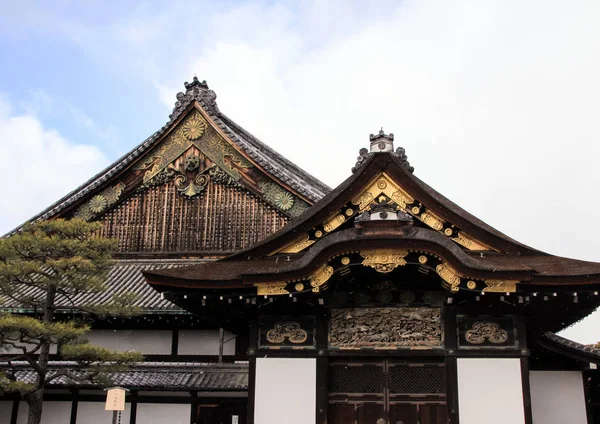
(221, 218)
(287, 332)
(385, 328)
(487, 332)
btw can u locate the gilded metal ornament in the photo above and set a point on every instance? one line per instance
(385, 328)
(470, 243)
(289, 330)
(194, 127)
(416, 210)
(100, 202)
(482, 331)
(449, 275)
(334, 222)
(191, 188)
(284, 201)
(298, 245)
(321, 276)
(500, 286)
(299, 287)
(448, 231)
(384, 261)
(432, 220)
(209, 142)
(423, 259)
(318, 234)
(345, 260)
(471, 285)
(381, 184)
(271, 289)
(349, 212)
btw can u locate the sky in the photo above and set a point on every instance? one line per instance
(495, 102)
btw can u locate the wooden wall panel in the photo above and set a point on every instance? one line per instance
(161, 220)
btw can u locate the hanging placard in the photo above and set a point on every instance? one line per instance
(115, 399)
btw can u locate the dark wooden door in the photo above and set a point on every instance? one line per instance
(386, 392)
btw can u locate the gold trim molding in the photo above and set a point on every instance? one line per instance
(500, 286)
(271, 289)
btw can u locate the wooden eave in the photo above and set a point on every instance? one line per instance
(267, 261)
(530, 272)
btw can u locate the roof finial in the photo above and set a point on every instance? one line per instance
(382, 142)
(195, 83)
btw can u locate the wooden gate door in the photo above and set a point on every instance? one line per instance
(386, 392)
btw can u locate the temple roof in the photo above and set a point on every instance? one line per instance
(125, 276)
(197, 95)
(152, 376)
(360, 214)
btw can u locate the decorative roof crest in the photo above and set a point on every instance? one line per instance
(382, 143)
(196, 91)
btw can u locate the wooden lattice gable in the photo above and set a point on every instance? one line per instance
(385, 179)
(199, 147)
(194, 154)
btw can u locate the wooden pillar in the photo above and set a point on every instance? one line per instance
(74, 404)
(133, 405)
(322, 366)
(252, 350)
(450, 341)
(15, 411)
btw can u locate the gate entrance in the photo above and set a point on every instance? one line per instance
(386, 392)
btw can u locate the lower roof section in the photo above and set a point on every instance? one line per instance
(152, 376)
(125, 276)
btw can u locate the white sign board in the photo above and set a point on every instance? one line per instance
(115, 399)
(235, 419)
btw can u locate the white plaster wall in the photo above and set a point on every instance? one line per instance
(5, 411)
(156, 413)
(204, 342)
(149, 342)
(557, 397)
(94, 413)
(285, 391)
(490, 391)
(52, 413)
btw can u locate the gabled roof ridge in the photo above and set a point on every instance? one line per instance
(288, 165)
(195, 92)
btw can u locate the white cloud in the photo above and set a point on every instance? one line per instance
(38, 166)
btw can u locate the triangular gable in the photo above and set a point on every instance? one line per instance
(386, 177)
(225, 154)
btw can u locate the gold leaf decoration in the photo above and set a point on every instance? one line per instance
(100, 202)
(271, 289)
(449, 275)
(334, 222)
(194, 127)
(384, 261)
(298, 245)
(469, 243)
(432, 220)
(321, 276)
(500, 286)
(284, 200)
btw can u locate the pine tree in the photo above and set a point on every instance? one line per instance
(46, 264)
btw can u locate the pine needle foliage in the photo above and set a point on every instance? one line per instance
(46, 265)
